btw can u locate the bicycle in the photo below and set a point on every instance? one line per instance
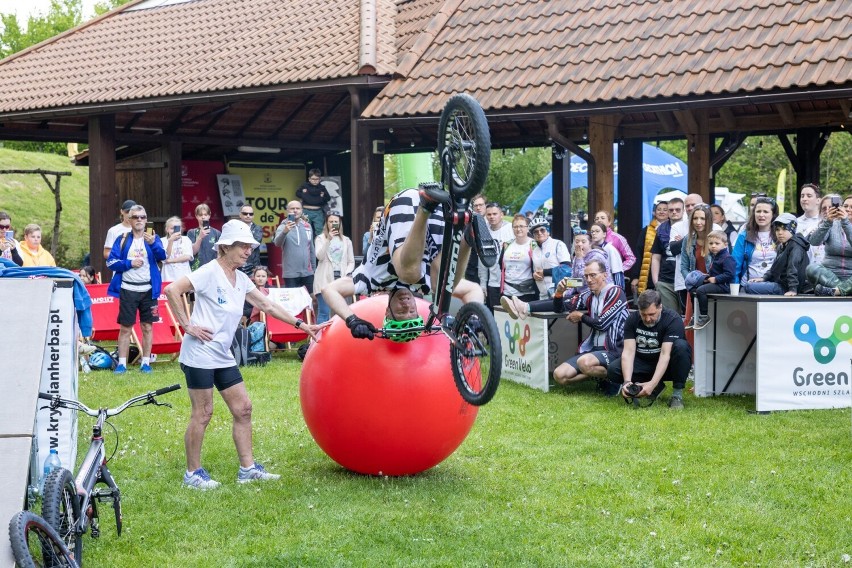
(36, 543)
(464, 145)
(70, 505)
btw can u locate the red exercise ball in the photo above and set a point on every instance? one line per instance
(380, 407)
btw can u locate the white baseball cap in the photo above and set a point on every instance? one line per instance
(235, 231)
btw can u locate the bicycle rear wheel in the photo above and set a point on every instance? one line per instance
(35, 543)
(463, 129)
(476, 354)
(61, 509)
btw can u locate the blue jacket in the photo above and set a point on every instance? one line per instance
(723, 268)
(82, 300)
(742, 256)
(118, 263)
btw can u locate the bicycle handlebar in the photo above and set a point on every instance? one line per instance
(56, 400)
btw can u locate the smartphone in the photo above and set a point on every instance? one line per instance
(205, 224)
(10, 235)
(291, 218)
(335, 226)
(835, 201)
(176, 229)
(149, 227)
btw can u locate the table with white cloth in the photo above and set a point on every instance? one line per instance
(791, 352)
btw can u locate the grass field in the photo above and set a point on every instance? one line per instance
(567, 478)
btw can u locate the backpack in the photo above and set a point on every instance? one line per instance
(242, 345)
(133, 354)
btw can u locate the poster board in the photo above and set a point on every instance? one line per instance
(267, 188)
(524, 344)
(231, 194)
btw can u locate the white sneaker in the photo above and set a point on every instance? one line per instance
(199, 479)
(522, 308)
(254, 473)
(509, 306)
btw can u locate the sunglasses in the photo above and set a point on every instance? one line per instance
(139, 217)
(5, 227)
(581, 232)
(247, 214)
(765, 200)
(540, 230)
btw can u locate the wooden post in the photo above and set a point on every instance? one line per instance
(631, 198)
(367, 169)
(601, 137)
(103, 198)
(561, 212)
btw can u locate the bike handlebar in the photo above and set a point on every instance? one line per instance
(56, 400)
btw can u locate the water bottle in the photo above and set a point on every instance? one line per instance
(51, 462)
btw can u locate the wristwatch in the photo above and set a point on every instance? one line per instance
(298, 323)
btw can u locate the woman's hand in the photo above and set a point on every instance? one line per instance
(198, 332)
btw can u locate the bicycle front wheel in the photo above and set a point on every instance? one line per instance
(35, 543)
(476, 354)
(463, 130)
(61, 509)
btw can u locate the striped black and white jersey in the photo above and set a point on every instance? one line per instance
(377, 273)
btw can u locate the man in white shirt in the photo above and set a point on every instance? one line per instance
(121, 228)
(501, 231)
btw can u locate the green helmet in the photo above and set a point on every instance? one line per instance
(401, 325)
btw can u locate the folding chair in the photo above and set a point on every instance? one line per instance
(295, 301)
(104, 313)
(274, 281)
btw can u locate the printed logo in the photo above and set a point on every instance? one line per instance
(220, 295)
(825, 348)
(514, 337)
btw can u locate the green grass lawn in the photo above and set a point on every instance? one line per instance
(567, 478)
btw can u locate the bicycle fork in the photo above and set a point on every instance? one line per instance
(107, 494)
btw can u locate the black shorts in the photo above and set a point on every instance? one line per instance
(602, 355)
(129, 302)
(206, 378)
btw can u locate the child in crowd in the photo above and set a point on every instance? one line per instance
(787, 275)
(87, 275)
(722, 268)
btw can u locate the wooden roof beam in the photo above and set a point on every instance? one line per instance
(687, 121)
(728, 118)
(254, 117)
(846, 108)
(786, 114)
(669, 124)
(286, 122)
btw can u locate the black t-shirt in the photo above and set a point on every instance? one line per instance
(663, 247)
(649, 340)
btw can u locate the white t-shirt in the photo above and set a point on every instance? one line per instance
(763, 256)
(218, 307)
(137, 279)
(517, 263)
(173, 270)
(548, 254)
(806, 226)
(114, 232)
(491, 276)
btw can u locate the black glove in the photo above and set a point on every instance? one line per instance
(361, 329)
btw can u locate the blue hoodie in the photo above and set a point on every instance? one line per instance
(118, 263)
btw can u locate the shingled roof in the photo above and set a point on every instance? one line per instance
(519, 54)
(151, 49)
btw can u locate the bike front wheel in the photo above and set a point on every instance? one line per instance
(463, 131)
(35, 543)
(476, 354)
(61, 509)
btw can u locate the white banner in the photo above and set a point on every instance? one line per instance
(57, 429)
(804, 351)
(524, 343)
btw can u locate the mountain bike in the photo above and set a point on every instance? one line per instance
(464, 146)
(35, 543)
(70, 505)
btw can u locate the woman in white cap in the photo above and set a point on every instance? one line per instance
(205, 356)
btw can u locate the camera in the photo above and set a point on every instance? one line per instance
(633, 389)
(835, 201)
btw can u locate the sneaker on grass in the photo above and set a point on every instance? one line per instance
(120, 370)
(146, 368)
(199, 479)
(676, 403)
(254, 473)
